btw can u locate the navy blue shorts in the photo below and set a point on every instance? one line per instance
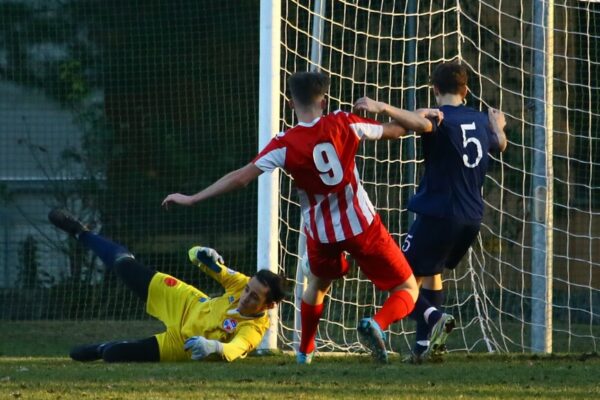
(433, 244)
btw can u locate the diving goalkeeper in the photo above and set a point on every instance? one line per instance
(229, 326)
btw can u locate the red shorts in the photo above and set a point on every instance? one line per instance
(375, 251)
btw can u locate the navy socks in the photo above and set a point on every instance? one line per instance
(107, 250)
(427, 299)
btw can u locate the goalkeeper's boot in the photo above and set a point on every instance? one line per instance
(439, 335)
(374, 337)
(65, 221)
(304, 358)
(88, 352)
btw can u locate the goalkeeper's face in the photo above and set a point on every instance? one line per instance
(254, 298)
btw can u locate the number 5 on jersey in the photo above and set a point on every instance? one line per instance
(471, 140)
(328, 163)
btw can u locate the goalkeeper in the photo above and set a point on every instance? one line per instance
(229, 326)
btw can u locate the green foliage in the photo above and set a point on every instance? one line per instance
(71, 77)
(158, 105)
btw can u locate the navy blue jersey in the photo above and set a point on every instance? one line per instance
(456, 161)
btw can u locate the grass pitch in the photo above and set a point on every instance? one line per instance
(33, 365)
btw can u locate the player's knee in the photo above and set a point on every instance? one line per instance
(319, 284)
(115, 352)
(316, 290)
(122, 260)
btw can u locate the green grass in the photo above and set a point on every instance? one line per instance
(33, 365)
(55, 338)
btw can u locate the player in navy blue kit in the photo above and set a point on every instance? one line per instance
(448, 202)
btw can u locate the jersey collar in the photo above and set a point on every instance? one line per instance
(309, 124)
(237, 312)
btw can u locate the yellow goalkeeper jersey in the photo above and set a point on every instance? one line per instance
(187, 312)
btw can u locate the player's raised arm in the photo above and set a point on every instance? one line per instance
(433, 116)
(234, 180)
(211, 263)
(497, 123)
(404, 119)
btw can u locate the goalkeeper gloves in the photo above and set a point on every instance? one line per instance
(206, 256)
(202, 347)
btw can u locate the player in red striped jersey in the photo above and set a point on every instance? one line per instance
(319, 153)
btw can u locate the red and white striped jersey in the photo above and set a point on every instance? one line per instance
(320, 157)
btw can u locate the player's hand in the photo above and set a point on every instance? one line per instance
(202, 347)
(367, 104)
(431, 113)
(497, 119)
(204, 255)
(177, 198)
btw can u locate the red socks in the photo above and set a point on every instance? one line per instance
(397, 306)
(310, 323)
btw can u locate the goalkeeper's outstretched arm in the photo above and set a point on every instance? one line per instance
(211, 262)
(234, 180)
(246, 340)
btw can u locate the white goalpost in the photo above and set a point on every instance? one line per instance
(268, 201)
(532, 280)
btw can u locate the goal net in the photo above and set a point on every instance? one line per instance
(110, 106)
(533, 275)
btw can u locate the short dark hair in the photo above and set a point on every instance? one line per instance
(277, 285)
(450, 77)
(306, 87)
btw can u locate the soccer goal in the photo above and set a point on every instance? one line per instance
(532, 281)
